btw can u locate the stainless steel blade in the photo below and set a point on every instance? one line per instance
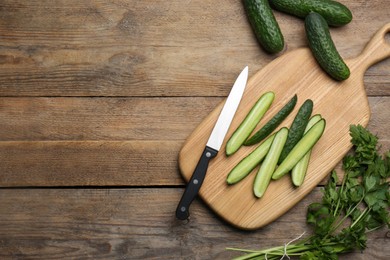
(227, 113)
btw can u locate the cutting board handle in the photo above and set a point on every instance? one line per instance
(377, 49)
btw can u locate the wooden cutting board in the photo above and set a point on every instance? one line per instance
(296, 72)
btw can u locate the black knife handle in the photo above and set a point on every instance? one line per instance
(193, 186)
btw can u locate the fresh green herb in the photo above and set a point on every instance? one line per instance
(348, 211)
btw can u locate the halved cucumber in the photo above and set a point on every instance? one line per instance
(264, 174)
(272, 124)
(300, 149)
(249, 123)
(298, 173)
(297, 127)
(246, 165)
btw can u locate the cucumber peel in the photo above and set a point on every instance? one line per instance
(298, 173)
(246, 165)
(249, 123)
(272, 124)
(300, 149)
(263, 176)
(297, 128)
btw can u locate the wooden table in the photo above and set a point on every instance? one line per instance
(97, 98)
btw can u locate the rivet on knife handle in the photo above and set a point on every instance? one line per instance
(193, 186)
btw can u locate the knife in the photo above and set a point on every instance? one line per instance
(213, 145)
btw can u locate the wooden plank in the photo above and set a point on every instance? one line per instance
(89, 163)
(137, 224)
(101, 118)
(93, 163)
(121, 119)
(121, 48)
(133, 161)
(56, 164)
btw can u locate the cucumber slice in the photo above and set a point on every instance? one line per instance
(297, 128)
(273, 123)
(246, 165)
(264, 174)
(300, 149)
(249, 123)
(298, 173)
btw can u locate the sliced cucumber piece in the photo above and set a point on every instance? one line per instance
(297, 128)
(263, 176)
(249, 123)
(272, 124)
(300, 149)
(298, 173)
(246, 165)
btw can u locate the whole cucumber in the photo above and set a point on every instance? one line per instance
(264, 25)
(335, 13)
(323, 48)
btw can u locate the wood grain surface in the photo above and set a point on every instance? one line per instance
(136, 224)
(96, 95)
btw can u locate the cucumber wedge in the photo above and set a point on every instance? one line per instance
(272, 124)
(297, 128)
(249, 123)
(298, 173)
(246, 165)
(268, 166)
(300, 149)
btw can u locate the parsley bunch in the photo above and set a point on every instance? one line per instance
(347, 212)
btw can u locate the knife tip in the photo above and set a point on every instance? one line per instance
(245, 71)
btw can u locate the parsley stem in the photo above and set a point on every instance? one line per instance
(365, 212)
(341, 190)
(375, 228)
(348, 213)
(292, 249)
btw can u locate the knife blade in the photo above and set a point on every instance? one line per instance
(213, 144)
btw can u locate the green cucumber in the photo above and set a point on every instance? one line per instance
(300, 149)
(335, 13)
(264, 25)
(297, 128)
(323, 48)
(264, 175)
(246, 165)
(273, 123)
(298, 173)
(249, 123)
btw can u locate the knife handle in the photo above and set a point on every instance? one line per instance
(193, 186)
